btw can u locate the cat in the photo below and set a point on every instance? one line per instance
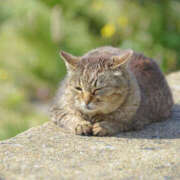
(108, 91)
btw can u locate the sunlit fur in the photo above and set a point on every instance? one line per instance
(96, 99)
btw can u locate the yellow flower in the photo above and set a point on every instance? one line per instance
(108, 30)
(97, 5)
(123, 21)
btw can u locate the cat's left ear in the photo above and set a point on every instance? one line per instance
(70, 60)
(122, 59)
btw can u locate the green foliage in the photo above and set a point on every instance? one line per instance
(32, 33)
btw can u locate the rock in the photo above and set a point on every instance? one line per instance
(48, 152)
(174, 82)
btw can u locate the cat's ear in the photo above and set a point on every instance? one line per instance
(119, 60)
(70, 60)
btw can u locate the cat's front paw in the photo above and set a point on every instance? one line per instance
(99, 129)
(83, 128)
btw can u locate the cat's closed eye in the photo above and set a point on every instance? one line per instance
(78, 88)
(96, 91)
(104, 90)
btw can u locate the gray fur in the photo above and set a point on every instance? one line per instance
(108, 91)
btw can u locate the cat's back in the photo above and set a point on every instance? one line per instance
(156, 97)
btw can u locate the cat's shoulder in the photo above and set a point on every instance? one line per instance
(147, 72)
(142, 64)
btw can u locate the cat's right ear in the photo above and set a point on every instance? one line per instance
(70, 60)
(122, 59)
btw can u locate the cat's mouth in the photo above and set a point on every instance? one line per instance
(88, 108)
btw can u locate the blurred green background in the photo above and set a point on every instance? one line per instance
(33, 31)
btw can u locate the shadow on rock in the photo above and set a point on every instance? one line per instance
(169, 129)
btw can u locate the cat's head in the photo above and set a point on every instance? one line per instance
(99, 83)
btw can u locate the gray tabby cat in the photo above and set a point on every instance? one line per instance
(108, 91)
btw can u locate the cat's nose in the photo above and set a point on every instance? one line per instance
(87, 98)
(88, 106)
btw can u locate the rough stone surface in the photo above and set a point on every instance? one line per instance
(49, 153)
(174, 81)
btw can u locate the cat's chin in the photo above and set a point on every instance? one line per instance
(89, 111)
(93, 112)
